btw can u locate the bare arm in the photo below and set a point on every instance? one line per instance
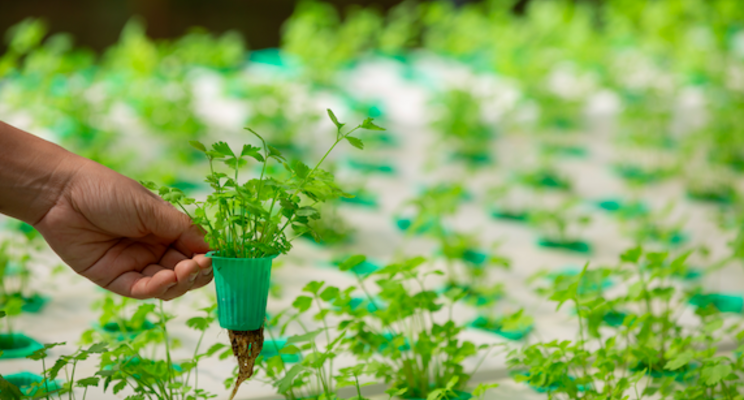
(104, 225)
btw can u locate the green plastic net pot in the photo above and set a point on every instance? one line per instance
(242, 291)
(17, 345)
(25, 381)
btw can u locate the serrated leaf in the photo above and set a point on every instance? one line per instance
(9, 391)
(679, 361)
(367, 124)
(223, 149)
(307, 337)
(88, 382)
(290, 349)
(285, 383)
(329, 293)
(97, 348)
(355, 142)
(352, 262)
(714, 374)
(300, 169)
(198, 323)
(274, 152)
(302, 303)
(308, 211)
(313, 287)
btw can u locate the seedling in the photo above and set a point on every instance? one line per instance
(15, 274)
(248, 221)
(646, 352)
(461, 128)
(560, 227)
(430, 208)
(433, 361)
(121, 319)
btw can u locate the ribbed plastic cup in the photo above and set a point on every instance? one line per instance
(242, 291)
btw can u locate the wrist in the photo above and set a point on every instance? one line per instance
(34, 174)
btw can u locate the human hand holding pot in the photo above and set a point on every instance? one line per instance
(104, 225)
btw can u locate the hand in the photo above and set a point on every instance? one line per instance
(121, 236)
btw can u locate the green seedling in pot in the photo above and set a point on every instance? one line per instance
(121, 319)
(16, 254)
(430, 209)
(716, 188)
(647, 352)
(12, 343)
(48, 385)
(314, 34)
(657, 227)
(513, 326)
(246, 223)
(461, 128)
(560, 227)
(416, 351)
(558, 114)
(462, 250)
(504, 205)
(646, 122)
(146, 363)
(303, 367)
(543, 178)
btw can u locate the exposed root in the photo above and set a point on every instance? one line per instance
(246, 345)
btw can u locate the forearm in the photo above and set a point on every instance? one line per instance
(33, 173)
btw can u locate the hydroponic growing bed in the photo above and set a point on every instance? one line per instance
(538, 207)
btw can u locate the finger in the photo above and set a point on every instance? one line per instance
(171, 258)
(205, 274)
(140, 286)
(187, 271)
(192, 242)
(172, 226)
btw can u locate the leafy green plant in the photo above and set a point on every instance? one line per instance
(50, 386)
(650, 354)
(14, 271)
(461, 127)
(560, 226)
(11, 309)
(121, 318)
(410, 346)
(313, 375)
(545, 177)
(156, 375)
(425, 213)
(505, 203)
(712, 187)
(464, 250)
(659, 227)
(250, 220)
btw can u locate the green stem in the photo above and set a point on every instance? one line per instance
(167, 350)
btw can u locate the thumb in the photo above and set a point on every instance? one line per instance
(173, 227)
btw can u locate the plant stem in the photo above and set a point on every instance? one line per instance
(167, 350)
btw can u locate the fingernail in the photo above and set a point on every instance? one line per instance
(171, 285)
(193, 276)
(207, 272)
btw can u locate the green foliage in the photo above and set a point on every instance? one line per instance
(462, 129)
(408, 346)
(679, 361)
(127, 364)
(249, 219)
(561, 224)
